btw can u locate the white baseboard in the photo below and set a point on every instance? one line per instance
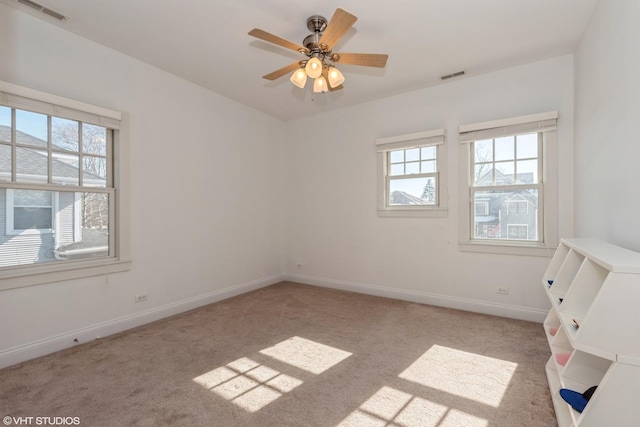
(502, 310)
(65, 340)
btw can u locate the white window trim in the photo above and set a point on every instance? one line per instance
(543, 122)
(36, 274)
(419, 139)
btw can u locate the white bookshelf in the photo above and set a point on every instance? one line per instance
(597, 285)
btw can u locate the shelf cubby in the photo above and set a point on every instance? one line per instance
(566, 274)
(555, 264)
(551, 323)
(586, 285)
(599, 285)
(585, 369)
(560, 343)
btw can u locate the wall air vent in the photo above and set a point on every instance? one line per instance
(450, 76)
(45, 10)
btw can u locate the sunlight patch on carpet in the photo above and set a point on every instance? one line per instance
(306, 354)
(252, 385)
(247, 383)
(392, 407)
(479, 378)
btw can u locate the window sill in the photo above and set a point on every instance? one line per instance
(413, 213)
(535, 249)
(18, 277)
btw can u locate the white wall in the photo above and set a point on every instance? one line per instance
(607, 125)
(206, 192)
(303, 194)
(331, 224)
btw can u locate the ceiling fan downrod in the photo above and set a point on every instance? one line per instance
(317, 24)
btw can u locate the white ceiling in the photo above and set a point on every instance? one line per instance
(206, 41)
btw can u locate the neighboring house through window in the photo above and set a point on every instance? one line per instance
(511, 175)
(517, 207)
(410, 174)
(518, 231)
(29, 211)
(57, 186)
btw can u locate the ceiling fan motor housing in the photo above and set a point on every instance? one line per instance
(317, 24)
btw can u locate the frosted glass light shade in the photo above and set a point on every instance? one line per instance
(299, 78)
(313, 68)
(320, 85)
(335, 77)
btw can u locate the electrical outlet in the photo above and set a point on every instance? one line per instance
(140, 298)
(503, 291)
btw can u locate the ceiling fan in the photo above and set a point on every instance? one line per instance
(317, 47)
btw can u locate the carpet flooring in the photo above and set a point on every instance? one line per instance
(296, 355)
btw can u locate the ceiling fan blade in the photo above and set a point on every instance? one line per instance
(339, 24)
(268, 37)
(282, 71)
(365, 59)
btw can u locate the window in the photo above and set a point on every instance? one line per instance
(481, 207)
(29, 211)
(503, 169)
(517, 207)
(511, 179)
(518, 231)
(410, 177)
(57, 188)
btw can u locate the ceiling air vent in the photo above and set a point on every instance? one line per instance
(449, 76)
(45, 10)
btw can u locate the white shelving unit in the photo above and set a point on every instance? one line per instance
(595, 285)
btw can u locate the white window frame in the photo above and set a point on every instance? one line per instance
(24, 98)
(384, 146)
(544, 123)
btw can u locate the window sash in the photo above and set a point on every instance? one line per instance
(52, 153)
(495, 187)
(539, 215)
(10, 220)
(389, 179)
(493, 162)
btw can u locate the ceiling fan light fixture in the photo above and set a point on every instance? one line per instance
(317, 47)
(335, 77)
(320, 85)
(314, 68)
(299, 78)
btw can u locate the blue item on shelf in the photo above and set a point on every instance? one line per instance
(577, 400)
